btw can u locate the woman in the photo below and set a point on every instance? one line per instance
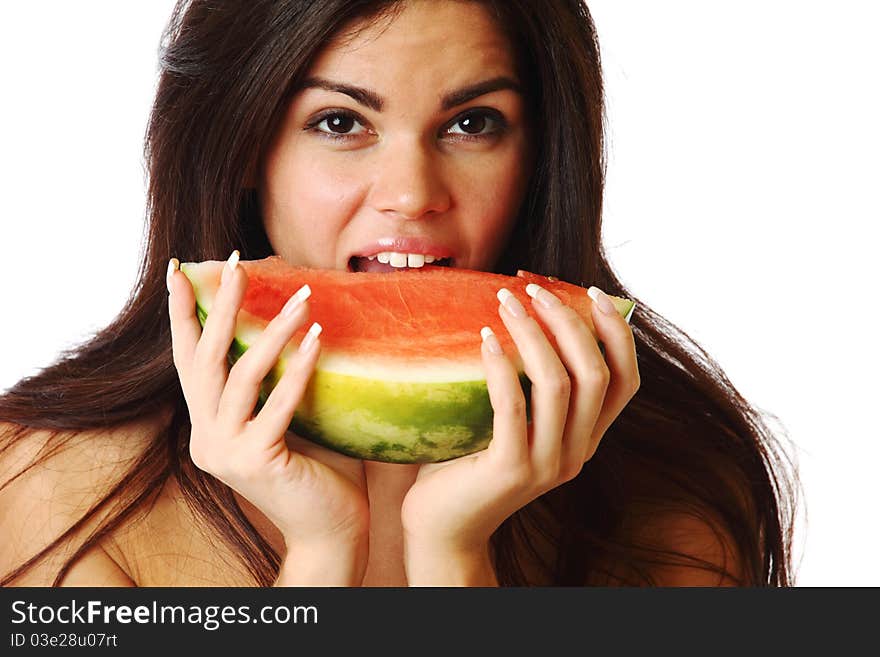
(315, 131)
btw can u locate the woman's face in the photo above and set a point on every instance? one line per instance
(413, 129)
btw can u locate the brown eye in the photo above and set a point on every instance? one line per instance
(337, 124)
(473, 124)
(477, 124)
(340, 123)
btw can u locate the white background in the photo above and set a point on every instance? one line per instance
(742, 204)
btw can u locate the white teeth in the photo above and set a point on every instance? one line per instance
(401, 260)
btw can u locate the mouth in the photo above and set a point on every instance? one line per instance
(388, 262)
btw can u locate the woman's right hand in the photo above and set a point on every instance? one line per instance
(315, 497)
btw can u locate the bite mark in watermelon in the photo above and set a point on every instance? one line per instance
(400, 376)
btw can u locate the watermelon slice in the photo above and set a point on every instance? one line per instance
(400, 377)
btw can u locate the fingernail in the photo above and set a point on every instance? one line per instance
(173, 266)
(296, 300)
(601, 299)
(310, 337)
(511, 303)
(490, 340)
(545, 297)
(229, 267)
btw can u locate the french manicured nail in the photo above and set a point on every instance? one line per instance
(545, 297)
(229, 267)
(511, 303)
(601, 299)
(296, 300)
(173, 266)
(490, 340)
(310, 337)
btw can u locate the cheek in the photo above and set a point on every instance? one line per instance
(491, 203)
(304, 181)
(306, 195)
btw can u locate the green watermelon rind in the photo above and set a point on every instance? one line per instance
(389, 421)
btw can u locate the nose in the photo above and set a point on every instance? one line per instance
(409, 180)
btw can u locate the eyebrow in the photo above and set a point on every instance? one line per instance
(454, 98)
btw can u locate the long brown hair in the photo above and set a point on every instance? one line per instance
(687, 442)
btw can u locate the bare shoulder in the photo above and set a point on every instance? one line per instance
(49, 482)
(163, 543)
(171, 545)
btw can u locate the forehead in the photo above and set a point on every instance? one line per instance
(440, 37)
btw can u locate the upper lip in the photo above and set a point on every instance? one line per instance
(421, 245)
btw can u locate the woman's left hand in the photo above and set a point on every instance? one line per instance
(452, 509)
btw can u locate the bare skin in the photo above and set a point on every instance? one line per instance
(454, 175)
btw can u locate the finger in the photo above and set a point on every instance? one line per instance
(242, 389)
(620, 354)
(185, 330)
(275, 417)
(510, 442)
(211, 354)
(550, 383)
(590, 376)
